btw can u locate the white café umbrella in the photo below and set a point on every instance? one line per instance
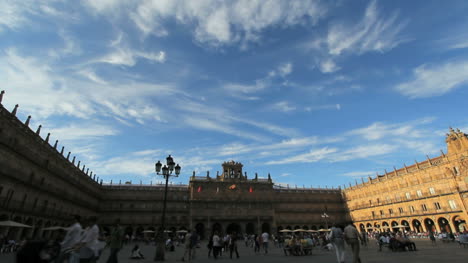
(182, 231)
(13, 224)
(286, 231)
(149, 231)
(299, 230)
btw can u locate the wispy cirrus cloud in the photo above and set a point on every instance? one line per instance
(212, 22)
(435, 80)
(374, 33)
(128, 57)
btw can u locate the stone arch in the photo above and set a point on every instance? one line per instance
(444, 225)
(305, 227)
(362, 227)
(459, 223)
(417, 225)
(289, 227)
(129, 231)
(321, 227)
(266, 228)
(314, 227)
(406, 224)
(233, 227)
(200, 229)
(297, 227)
(250, 228)
(279, 228)
(217, 227)
(139, 231)
(430, 226)
(385, 226)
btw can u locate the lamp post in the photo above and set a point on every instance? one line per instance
(325, 217)
(166, 173)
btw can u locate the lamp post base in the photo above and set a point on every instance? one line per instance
(160, 249)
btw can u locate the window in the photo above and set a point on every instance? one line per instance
(424, 207)
(432, 191)
(370, 202)
(437, 205)
(378, 201)
(373, 214)
(452, 204)
(398, 197)
(419, 193)
(400, 209)
(411, 208)
(381, 212)
(408, 196)
(390, 211)
(388, 199)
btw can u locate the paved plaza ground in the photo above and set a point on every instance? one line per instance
(447, 252)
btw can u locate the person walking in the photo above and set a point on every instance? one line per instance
(71, 239)
(353, 237)
(89, 243)
(336, 238)
(233, 245)
(115, 242)
(265, 238)
(188, 246)
(216, 245)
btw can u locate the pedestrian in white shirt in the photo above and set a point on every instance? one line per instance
(265, 238)
(89, 244)
(71, 239)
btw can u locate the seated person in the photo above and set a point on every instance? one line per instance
(136, 253)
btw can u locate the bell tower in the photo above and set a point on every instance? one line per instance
(457, 141)
(232, 170)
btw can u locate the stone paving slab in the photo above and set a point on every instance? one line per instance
(443, 252)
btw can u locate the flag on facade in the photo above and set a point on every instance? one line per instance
(199, 189)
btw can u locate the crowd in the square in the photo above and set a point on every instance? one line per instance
(84, 242)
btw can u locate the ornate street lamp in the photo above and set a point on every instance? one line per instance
(166, 173)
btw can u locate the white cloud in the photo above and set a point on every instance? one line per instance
(218, 126)
(127, 57)
(435, 80)
(33, 81)
(309, 157)
(285, 69)
(283, 106)
(359, 173)
(328, 66)
(75, 132)
(361, 152)
(13, 14)
(235, 88)
(379, 130)
(323, 107)
(215, 22)
(372, 34)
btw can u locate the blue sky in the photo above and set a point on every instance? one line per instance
(314, 92)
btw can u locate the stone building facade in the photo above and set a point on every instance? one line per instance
(426, 196)
(41, 185)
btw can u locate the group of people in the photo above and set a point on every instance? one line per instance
(82, 243)
(396, 241)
